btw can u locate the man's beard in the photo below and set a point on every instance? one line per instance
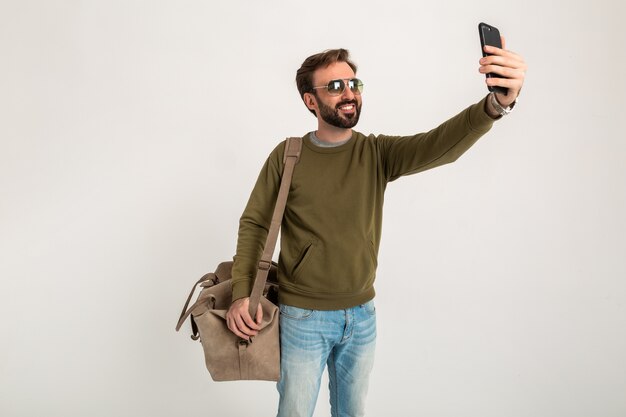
(333, 118)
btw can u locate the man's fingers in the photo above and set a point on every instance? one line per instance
(244, 327)
(503, 42)
(233, 328)
(502, 52)
(515, 75)
(503, 71)
(511, 61)
(514, 86)
(249, 322)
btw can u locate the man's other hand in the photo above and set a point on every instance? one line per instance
(239, 320)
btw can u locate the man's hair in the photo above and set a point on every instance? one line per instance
(304, 75)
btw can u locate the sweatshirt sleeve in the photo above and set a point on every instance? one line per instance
(254, 224)
(404, 155)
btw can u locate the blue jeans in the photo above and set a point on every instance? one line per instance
(310, 339)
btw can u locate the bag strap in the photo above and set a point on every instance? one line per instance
(185, 313)
(222, 273)
(293, 148)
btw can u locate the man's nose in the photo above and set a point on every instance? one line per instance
(347, 93)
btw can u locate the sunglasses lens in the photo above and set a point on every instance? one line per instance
(356, 85)
(335, 87)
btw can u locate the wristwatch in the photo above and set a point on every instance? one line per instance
(502, 111)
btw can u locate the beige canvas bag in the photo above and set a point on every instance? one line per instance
(227, 356)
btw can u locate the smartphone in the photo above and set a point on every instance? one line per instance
(490, 35)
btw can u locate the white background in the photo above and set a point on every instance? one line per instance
(131, 135)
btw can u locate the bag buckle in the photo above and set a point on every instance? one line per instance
(264, 265)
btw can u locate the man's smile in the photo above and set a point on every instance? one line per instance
(347, 107)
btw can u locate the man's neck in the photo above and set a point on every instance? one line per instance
(332, 134)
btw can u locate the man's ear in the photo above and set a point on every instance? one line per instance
(310, 101)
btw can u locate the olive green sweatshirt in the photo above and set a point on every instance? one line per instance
(331, 228)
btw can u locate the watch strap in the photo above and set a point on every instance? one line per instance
(502, 111)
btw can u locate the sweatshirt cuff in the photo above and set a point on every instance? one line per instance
(241, 288)
(479, 120)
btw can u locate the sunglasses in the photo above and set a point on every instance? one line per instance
(336, 87)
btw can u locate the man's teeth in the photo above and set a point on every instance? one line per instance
(347, 107)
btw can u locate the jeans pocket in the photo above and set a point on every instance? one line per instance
(295, 313)
(369, 308)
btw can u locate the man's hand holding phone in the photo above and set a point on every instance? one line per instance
(507, 64)
(504, 69)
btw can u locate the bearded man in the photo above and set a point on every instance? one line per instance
(331, 227)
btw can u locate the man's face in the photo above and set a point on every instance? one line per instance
(340, 111)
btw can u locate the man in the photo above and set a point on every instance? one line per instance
(332, 226)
